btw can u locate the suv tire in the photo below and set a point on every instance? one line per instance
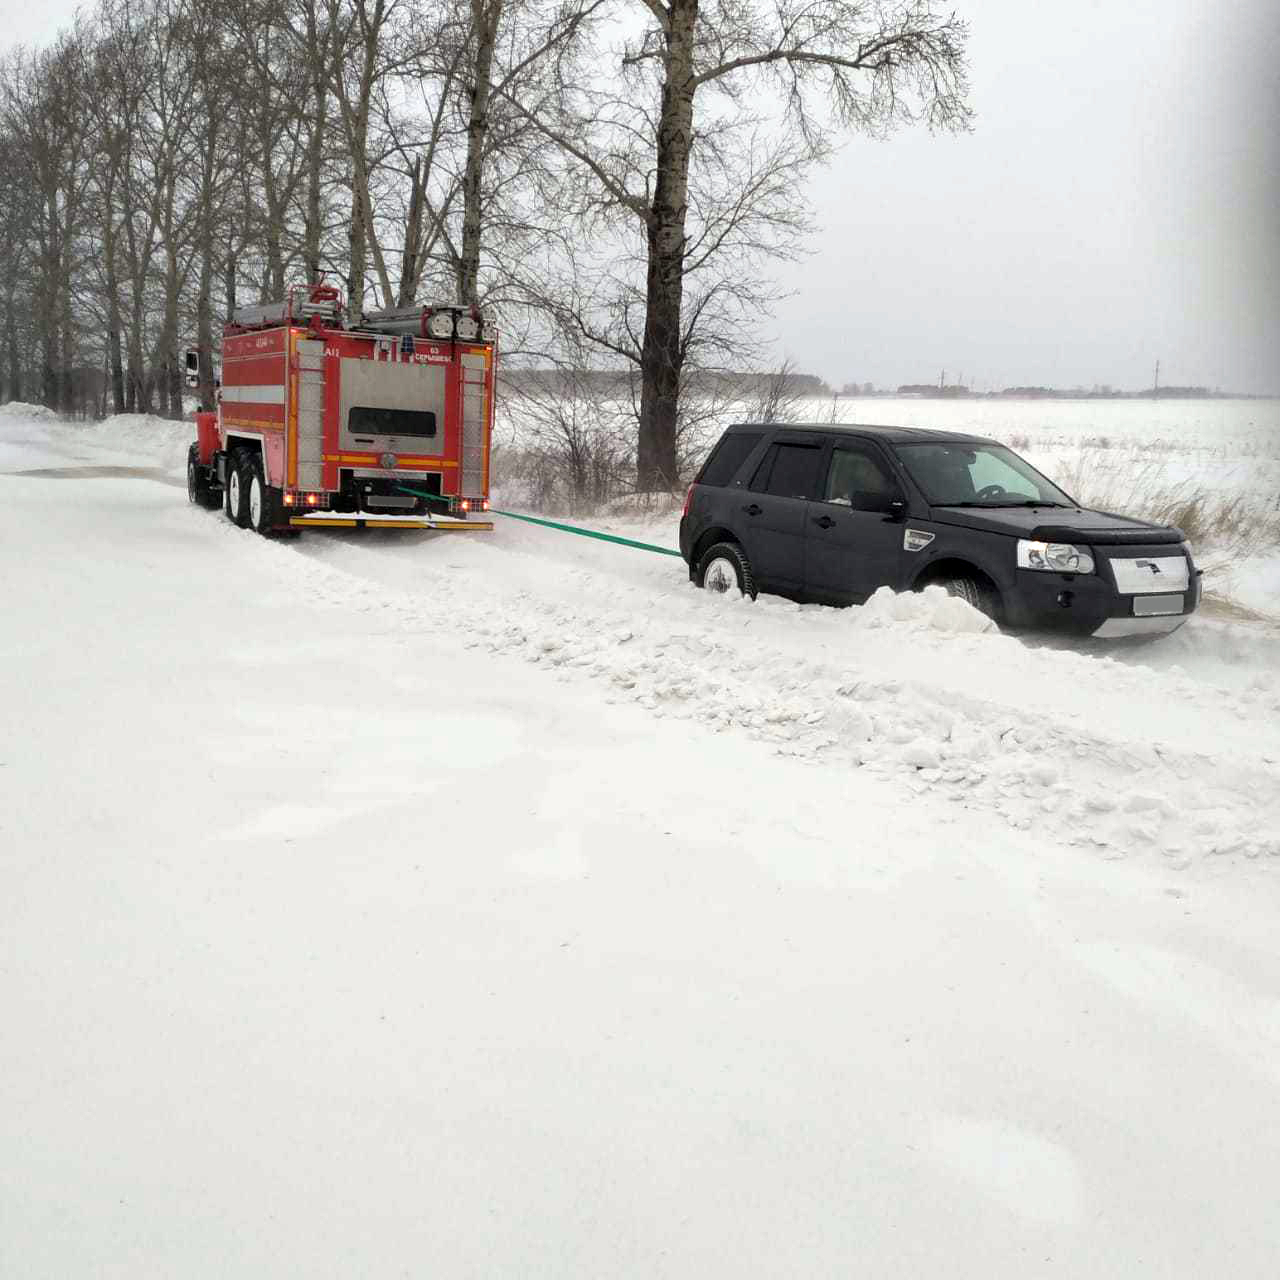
(724, 566)
(971, 591)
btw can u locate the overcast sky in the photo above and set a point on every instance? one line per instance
(1118, 202)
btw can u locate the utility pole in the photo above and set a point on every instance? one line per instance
(1156, 389)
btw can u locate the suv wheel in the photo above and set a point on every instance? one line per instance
(971, 591)
(724, 567)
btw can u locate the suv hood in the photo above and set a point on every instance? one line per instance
(1059, 524)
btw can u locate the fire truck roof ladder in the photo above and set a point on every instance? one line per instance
(298, 306)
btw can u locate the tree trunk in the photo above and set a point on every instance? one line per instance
(358, 238)
(661, 355)
(11, 342)
(66, 391)
(113, 369)
(412, 238)
(116, 372)
(204, 316)
(275, 222)
(229, 283)
(317, 53)
(485, 16)
(48, 362)
(137, 398)
(48, 317)
(175, 384)
(170, 379)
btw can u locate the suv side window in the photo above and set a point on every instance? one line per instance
(728, 456)
(857, 478)
(788, 471)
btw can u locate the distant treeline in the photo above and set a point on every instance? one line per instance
(935, 392)
(619, 383)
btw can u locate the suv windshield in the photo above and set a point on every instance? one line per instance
(977, 475)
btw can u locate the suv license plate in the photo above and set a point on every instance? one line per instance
(1149, 606)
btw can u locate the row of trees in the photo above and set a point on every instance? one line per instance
(609, 175)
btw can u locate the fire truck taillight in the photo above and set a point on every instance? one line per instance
(465, 504)
(288, 499)
(313, 499)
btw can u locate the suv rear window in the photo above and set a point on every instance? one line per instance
(728, 456)
(788, 470)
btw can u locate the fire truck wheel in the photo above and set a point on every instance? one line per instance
(237, 508)
(263, 500)
(198, 490)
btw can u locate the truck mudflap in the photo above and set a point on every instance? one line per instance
(339, 520)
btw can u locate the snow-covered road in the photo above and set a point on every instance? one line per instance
(505, 906)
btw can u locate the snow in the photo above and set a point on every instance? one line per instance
(395, 904)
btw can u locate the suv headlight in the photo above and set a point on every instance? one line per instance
(1054, 557)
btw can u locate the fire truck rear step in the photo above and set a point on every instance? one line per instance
(391, 522)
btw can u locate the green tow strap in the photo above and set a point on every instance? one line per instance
(588, 533)
(553, 524)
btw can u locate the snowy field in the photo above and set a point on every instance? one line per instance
(501, 905)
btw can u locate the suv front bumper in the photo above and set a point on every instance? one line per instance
(1094, 605)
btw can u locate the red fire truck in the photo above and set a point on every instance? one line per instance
(385, 424)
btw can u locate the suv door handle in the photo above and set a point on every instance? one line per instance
(823, 522)
(752, 509)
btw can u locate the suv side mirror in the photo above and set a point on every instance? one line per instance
(892, 505)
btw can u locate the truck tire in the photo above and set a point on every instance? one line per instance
(199, 491)
(262, 501)
(723, 567)
(236, 492)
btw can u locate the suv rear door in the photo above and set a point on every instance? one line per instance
(853, 545)
(771, 519)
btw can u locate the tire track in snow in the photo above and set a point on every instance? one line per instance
(1141, 793)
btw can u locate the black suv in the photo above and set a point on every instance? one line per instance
(831, 513)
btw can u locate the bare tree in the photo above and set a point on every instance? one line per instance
(364, 53)
(42, 117)
(778, 398)
(17, 216)
(868, 66)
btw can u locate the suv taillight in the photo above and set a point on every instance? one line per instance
(688, 498)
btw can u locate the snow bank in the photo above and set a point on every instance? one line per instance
(933, 609)
(27, 412)
(162, 441)
(1252, 581)
(136, 439)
